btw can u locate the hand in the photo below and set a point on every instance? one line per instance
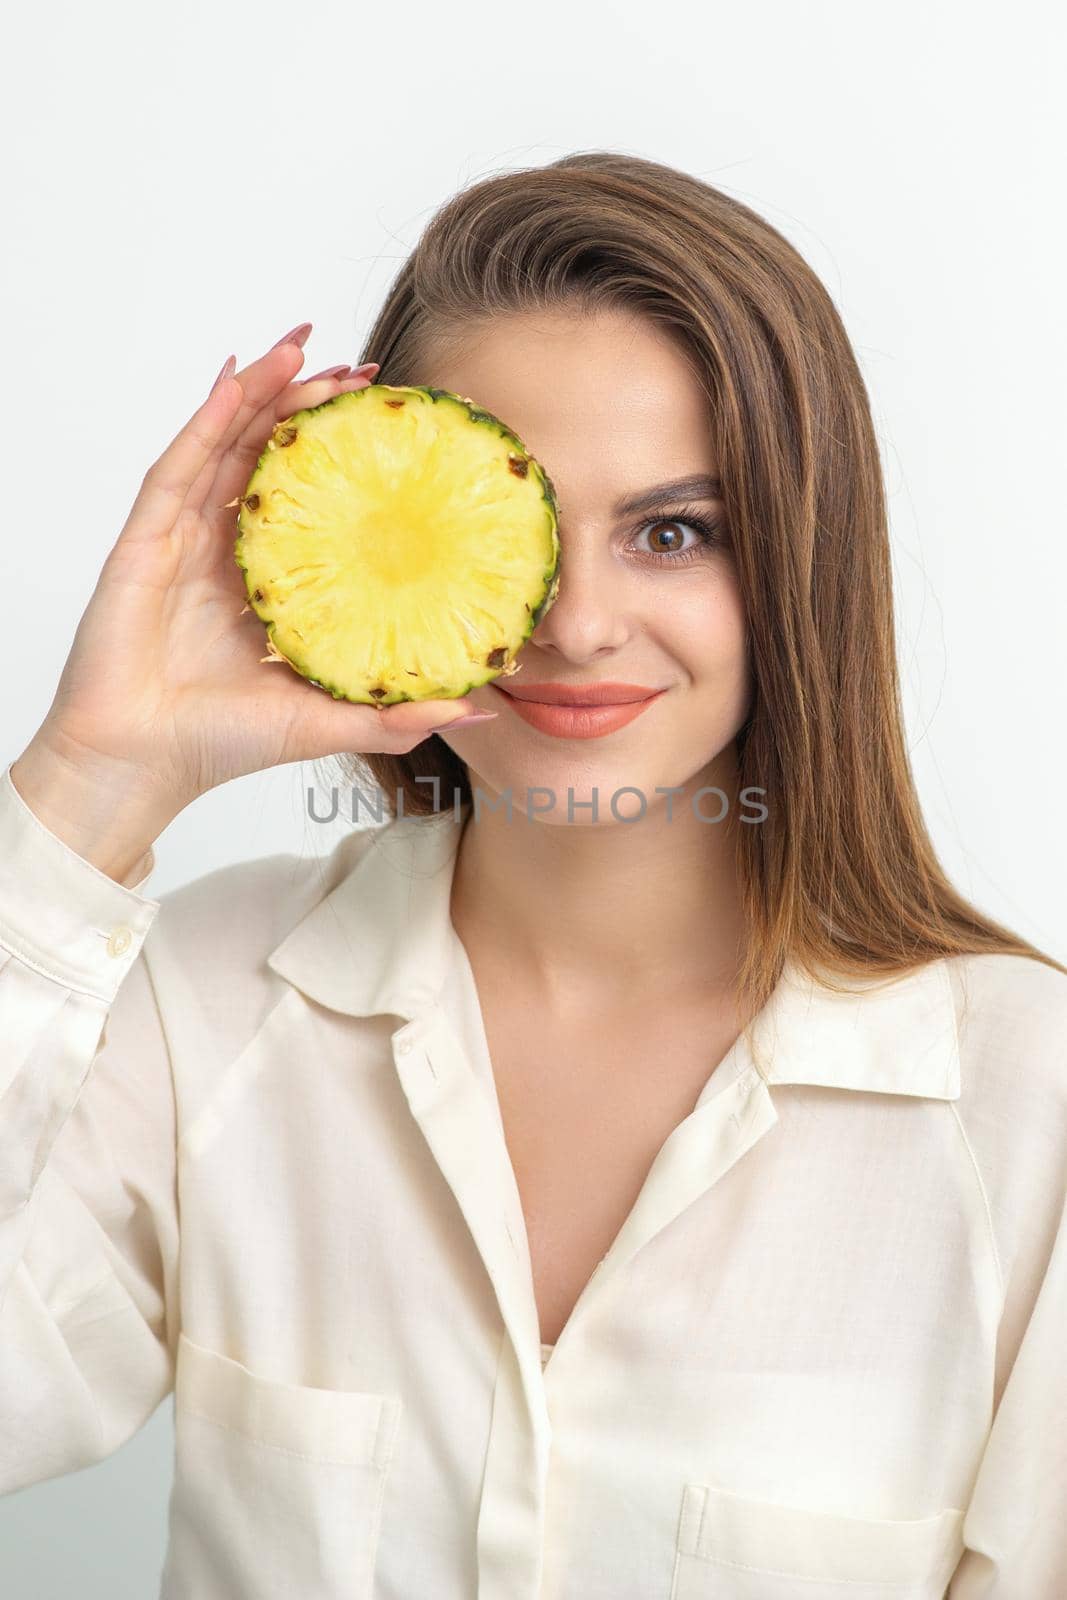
(165, 685)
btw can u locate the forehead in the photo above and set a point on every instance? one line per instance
(609, 403)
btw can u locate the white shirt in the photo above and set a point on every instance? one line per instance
(251, 1153)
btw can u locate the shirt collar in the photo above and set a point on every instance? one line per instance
(382, 941)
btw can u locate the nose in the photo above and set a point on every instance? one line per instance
(588, 616)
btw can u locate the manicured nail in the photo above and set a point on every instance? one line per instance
(298, 335)
(329, 372)
(462, 722)
(366, 369)
(228, 368)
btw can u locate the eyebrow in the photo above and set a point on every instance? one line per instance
(699, 484)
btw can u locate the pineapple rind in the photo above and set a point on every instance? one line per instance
(542, 586)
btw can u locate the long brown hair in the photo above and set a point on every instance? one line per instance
(841, 877)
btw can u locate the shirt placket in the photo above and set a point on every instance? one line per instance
(457, 1121)
(467, 1141)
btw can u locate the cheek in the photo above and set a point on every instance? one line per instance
(709, 638)
(708, 632)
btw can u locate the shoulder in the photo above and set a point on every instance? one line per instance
(1011, 1025)
(1009, 980)
(1011, 1008)
(1012, 1110)
(249, 906)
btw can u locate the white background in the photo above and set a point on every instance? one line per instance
(184, 182)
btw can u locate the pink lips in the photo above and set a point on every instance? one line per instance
(605, 711)
(580, 694)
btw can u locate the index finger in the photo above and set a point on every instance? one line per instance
(169, 479)
(171, 482)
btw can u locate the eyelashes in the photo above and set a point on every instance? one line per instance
(709, 529)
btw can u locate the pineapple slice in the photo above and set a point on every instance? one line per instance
(399, 543)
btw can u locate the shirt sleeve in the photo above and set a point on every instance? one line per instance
(88, 1204)
(1015, 1527)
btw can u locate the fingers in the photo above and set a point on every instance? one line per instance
(328, 727)
(263, 382)
(167, 482)
(225, 436)
(239, 461)
(189, 464)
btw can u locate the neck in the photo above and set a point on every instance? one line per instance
(616, 913)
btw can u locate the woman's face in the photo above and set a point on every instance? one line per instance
(612, 410)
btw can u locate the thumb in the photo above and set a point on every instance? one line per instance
(337, 727)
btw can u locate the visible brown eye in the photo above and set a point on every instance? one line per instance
(659, 538)
(668, 543)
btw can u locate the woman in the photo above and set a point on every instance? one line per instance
(657, 1191)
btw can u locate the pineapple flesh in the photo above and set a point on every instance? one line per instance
(399, 543)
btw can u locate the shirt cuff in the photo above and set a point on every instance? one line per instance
(59, 913)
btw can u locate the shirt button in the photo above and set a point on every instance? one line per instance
(119, 941)
(403, 1046)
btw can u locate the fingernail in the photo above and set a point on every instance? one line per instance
(298, 335)
(228, 367)
(367, 368)
(328, 372)
(461, 722)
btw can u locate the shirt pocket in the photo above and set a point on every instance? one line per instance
(277, 1487)
(733, 1548)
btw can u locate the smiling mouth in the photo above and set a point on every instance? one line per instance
(575, 720)
(578, 696)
